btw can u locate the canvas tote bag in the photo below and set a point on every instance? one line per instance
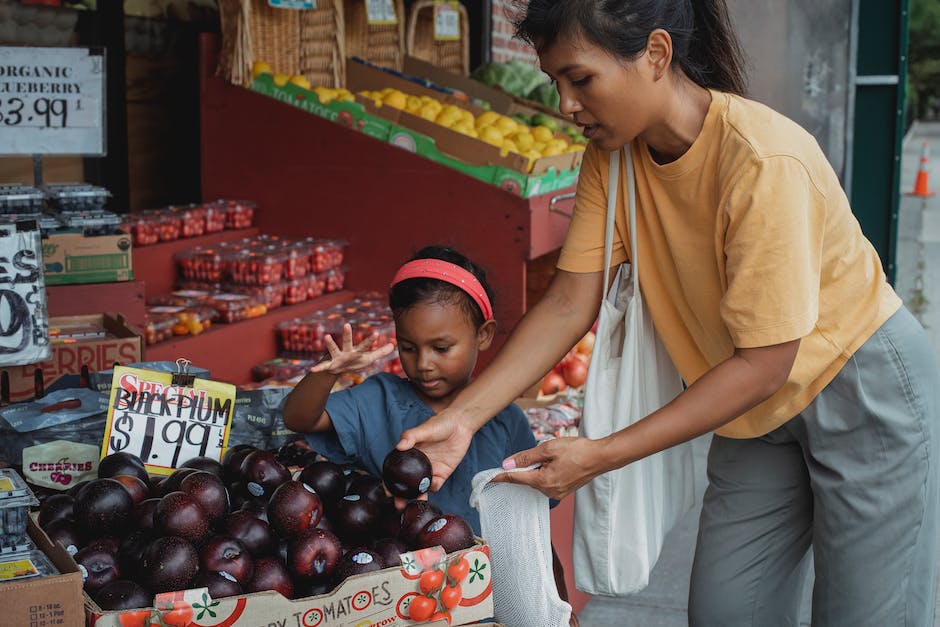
(622, 516)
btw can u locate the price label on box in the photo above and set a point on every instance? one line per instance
(303, 5)
(379, 12)
(165, 424)
(51, 101)
(446, 20)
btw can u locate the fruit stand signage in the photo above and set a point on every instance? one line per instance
(163, 423)
(446, 20)
(24, 320)
(51, 101)
(381, 12)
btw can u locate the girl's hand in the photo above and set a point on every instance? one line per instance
(444, 438)
(351, 358)
(566, 465)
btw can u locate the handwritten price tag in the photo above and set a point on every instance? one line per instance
(51, 101)
(446, 21)
(380, 12)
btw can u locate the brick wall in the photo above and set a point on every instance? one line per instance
(504, 46)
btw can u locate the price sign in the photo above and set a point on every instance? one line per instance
(165, 424)
(51, 101)
(381, 12)
(446, 20)
(302, 5)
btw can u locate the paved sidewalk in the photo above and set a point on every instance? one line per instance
(663, 603)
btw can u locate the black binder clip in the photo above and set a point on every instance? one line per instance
(182, 377)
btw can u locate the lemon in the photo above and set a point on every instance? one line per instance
(524, 140)
(300, 81)
(462, 126)
(485, 119)
(551, 151)
(345, 95)
(490, 135)
(467, 116)
(560, 144)
(506, 126)
(428, 112)
(543, 134)
(281, 79)
(260, 67)
(413, 104)
(507, 147)
(447, 117)
(324, 94)
(575, 148)
(395, 99)
(538, 147)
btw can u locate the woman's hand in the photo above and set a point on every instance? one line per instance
(444, 438)
(351, 358)
(566, 465)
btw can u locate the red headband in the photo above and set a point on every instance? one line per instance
(449, 273)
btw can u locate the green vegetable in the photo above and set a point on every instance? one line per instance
(546, 95)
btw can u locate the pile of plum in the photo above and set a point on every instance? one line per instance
(244, 525)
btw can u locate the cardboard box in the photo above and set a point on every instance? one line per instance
(68, 359)
(350, 114)
(56, 601)
(73, 257)
(375, 599)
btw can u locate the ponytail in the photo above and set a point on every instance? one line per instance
(705, 46)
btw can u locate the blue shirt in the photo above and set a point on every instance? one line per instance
(369, 419)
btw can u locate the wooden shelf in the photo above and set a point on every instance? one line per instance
(154, 264)
(124, 297)
(229, 351)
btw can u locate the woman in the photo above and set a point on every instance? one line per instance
(821, 389)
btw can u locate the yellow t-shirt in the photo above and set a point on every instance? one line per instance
(746, 240)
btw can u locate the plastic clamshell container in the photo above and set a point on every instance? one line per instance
(335, 279)
(272, 296)
(158, 326)
(20, 199)
(215, 218)
(239, 214)
(192, 219)
(257, 268)
(15, 500)
(316, 284)
(296, 291)
(144, 227)
(180, 298)
(17, 566)
(75, 196)
(235, 307)
(325, 253)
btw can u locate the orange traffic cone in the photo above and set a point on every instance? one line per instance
(920, 183)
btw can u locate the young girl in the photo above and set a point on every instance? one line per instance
(443, 319)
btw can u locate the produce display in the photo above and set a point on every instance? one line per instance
(306, 337)
(173, 222)
(287, 520)
(571, 370)
(520, 79)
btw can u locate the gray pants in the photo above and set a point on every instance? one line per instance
(855, 476)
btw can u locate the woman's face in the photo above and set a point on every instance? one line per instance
(438, 346)
(613, 99)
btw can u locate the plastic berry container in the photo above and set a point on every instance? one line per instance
(169, 226)
(159, 322)
(15, 500)
(192, 219)
(302, 336)
(257, 268)
(271, 296)
(239, 214)
(326, 254)
(316, 284)
(91, 221)
(295, 291)
(75, 196)
(335, 279)
(20, 199)
(144, 228)
(201, 264)
(296, 260)
(236, 307)
(282, 369)
(180, 298)
(215, 217)
(26, 565)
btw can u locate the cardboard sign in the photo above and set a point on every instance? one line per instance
(59, 465)
(165, 424)
(24, 321)
(446, 20)
(379, 12)
(51, 101)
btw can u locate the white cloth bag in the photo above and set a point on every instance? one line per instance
(622, 516)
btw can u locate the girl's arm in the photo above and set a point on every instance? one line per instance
(305, 405)
(543, 336)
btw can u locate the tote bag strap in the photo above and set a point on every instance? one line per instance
(613, 180)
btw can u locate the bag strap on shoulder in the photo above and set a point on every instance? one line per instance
(613, 181)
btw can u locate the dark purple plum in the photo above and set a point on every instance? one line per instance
(55, 507)
(170, 563)
(358, 561)
(122, 464)
(390, 550)
(143, 514)
(327, 479)
(103, 507)
(449, 531)
(263, 473)
(139, 490)
(131, 554)
(98, 568)
(123, 595)
(178, 514)
(206, 464)
(218, 584)
(356, 519)
(232, 461)
(314, 555)
(64, 532)
(294, 507)
(228, 555)
(407, 474)
(270, 574)
(370, 488)
(255, 534)
(413, 519)
(207, 490)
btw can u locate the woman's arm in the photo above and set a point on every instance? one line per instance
(304, 407)
(747, 378)
(543, 336)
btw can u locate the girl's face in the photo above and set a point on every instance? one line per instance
(613, 99)
(438, 346)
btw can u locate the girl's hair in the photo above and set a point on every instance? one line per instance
(410, 292)
(704, 42)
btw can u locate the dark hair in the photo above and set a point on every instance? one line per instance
(410, 292)
(704, 42)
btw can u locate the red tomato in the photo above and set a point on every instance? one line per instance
(137, 618)
(421, 608)
(553, 383)
(431, 580)
(178, 616)
(458, 570)
(450, 596)
(586, 345)
(575, 373)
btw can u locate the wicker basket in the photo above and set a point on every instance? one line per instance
(382, 44)
(450, 55)
(292, 42)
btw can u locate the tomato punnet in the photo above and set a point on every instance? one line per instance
(421, 608)
(575, 373)
(553, 383)
(431, 580)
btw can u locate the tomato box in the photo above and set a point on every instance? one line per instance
(95, 341)
(71, 257)
(379, 598)
(50, 600)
